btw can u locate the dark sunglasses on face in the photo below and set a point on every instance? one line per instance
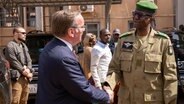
(22, 32)
(140, 15)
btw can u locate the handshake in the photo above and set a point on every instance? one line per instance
(28, 73)
(110, 92)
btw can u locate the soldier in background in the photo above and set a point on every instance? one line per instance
(144, 62)
(114, 40)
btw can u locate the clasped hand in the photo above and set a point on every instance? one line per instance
(27, 73)
(110, 93)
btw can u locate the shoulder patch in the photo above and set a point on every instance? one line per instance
(126, 34)
(162, 35)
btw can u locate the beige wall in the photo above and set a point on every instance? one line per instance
(121, 13)
(5, 36)
(119, 16)
(165, 14)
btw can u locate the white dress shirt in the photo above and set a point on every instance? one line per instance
(100, 59)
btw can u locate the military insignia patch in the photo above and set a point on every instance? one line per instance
(170, 50)
(127, 46)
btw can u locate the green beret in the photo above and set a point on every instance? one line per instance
(147, 6)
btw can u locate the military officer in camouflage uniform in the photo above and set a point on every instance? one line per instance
(144, 62)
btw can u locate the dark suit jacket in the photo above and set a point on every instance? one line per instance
(61, 79)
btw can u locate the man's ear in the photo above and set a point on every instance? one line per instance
(71, 32)
(15, 33)
(151, 19)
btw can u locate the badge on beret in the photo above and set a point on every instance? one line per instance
(170, 50)
(127, 46)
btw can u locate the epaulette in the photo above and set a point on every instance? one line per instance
(126, 34)
(158, 33)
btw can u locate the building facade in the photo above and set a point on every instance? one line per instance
(120, 16)
(179, 12)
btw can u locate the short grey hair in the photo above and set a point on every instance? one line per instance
(62, 21)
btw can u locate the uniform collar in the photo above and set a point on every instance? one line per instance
(151, 35)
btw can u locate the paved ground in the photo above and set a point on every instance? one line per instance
(180, 98)
(180, 101)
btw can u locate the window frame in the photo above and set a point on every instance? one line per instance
(31, 16)
(92, 30)
(9, 18)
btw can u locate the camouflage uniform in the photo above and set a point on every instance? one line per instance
(146, 71)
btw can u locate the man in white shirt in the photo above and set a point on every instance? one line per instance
(100, 58)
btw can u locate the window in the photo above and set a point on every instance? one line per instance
(31, 16)
(93, 28)
(130, 24)
(8, 18)
(2, 17)
(116, 1)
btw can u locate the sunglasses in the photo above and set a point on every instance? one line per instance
(22, 32)
(141, 15)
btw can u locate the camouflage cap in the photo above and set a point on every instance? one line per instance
(147, 6)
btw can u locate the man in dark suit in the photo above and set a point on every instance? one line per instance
(61, 79)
